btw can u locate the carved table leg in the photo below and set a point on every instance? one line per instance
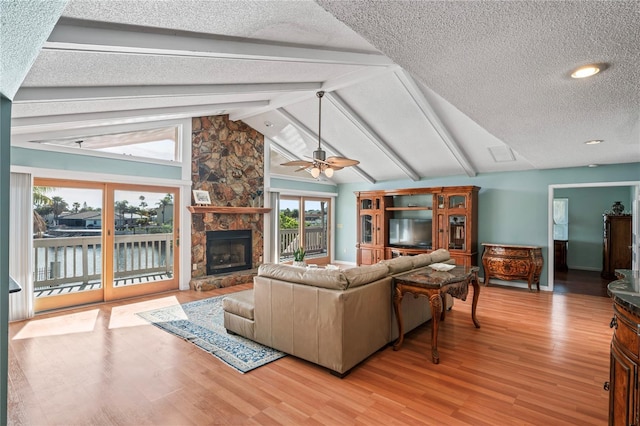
(435, 300)
(396, 306)
(476, 295)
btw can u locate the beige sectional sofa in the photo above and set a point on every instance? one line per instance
(334, 318)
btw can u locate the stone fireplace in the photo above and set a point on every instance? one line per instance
(228, 162)
(228, 251)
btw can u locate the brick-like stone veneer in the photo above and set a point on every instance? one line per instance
(228, 162)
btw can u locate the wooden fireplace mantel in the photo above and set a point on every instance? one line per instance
(228, 210)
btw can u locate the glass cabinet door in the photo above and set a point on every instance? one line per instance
(366, 226)
(366, 204)
(457, 232)
(457, 201)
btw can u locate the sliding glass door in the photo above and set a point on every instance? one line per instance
(95, 242)
(143, 238)
(304, 222)
(67, 243)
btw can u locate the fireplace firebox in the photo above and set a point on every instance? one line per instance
(228, 251)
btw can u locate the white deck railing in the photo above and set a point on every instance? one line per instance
(73, 260)
(315, 241)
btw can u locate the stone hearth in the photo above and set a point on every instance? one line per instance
(227, 162)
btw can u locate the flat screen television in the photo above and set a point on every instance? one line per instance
(410, 233)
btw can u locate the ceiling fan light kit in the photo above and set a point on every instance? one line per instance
(320, 163)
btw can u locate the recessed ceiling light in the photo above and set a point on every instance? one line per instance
(594, 142)
(268, 124)
(588, 70)
(592, 165)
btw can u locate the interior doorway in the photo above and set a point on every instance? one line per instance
(583, 244)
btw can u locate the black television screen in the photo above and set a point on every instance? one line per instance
(410, 232)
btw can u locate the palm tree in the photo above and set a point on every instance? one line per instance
(59, 206)
(142, 210)
(122, 207)
(76, 207)
(39, 195)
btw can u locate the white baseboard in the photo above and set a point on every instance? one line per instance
(586, 268)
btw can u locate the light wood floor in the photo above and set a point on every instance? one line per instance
(538, 359)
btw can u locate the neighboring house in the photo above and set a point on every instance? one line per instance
(164, 214)
(128, 220)
(89, 219)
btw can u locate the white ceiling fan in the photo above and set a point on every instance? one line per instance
(320, 163)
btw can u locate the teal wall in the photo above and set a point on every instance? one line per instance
(302, 186)
(86, 163)
(586, 206)
(513, 206)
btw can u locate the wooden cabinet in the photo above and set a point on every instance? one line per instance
(451, 211)
(560, 255)
(616, 249)
(456, 217)
(512, 262)
(373, 229)
(623, 376)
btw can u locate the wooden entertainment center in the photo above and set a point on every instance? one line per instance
(452, 211)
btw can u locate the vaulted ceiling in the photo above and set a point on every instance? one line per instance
(413, 89)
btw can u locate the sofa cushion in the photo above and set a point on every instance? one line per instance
(421, 260)
(440, 255)
(239, 303)
(316, 277)
(398, 264)
(365, 274)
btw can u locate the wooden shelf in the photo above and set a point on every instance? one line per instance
(396, 209)
(228, 210)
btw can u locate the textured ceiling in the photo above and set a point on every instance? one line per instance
(414, 89)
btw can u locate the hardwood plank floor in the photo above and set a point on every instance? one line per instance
(539, 359)
(580, 282)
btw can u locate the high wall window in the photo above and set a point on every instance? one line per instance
(156, 144)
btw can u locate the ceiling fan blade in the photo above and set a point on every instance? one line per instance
(302, 168)
(342, 161)
(297, 163)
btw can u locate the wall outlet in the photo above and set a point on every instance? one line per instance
(195, 266)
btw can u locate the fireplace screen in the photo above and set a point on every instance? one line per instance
(228, 251)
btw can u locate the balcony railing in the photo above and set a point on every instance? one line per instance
(78, 260)
(315, 242)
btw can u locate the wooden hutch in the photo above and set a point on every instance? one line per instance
(451, 212)
(616, 246)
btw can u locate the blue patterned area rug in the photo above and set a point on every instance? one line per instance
(202, 323)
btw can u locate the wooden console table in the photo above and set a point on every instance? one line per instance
(512, 262)
(435, 285)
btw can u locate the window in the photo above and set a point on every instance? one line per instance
(156, 144)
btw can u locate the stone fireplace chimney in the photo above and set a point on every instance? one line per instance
(227, 162)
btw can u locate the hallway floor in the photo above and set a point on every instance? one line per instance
(580, 282)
